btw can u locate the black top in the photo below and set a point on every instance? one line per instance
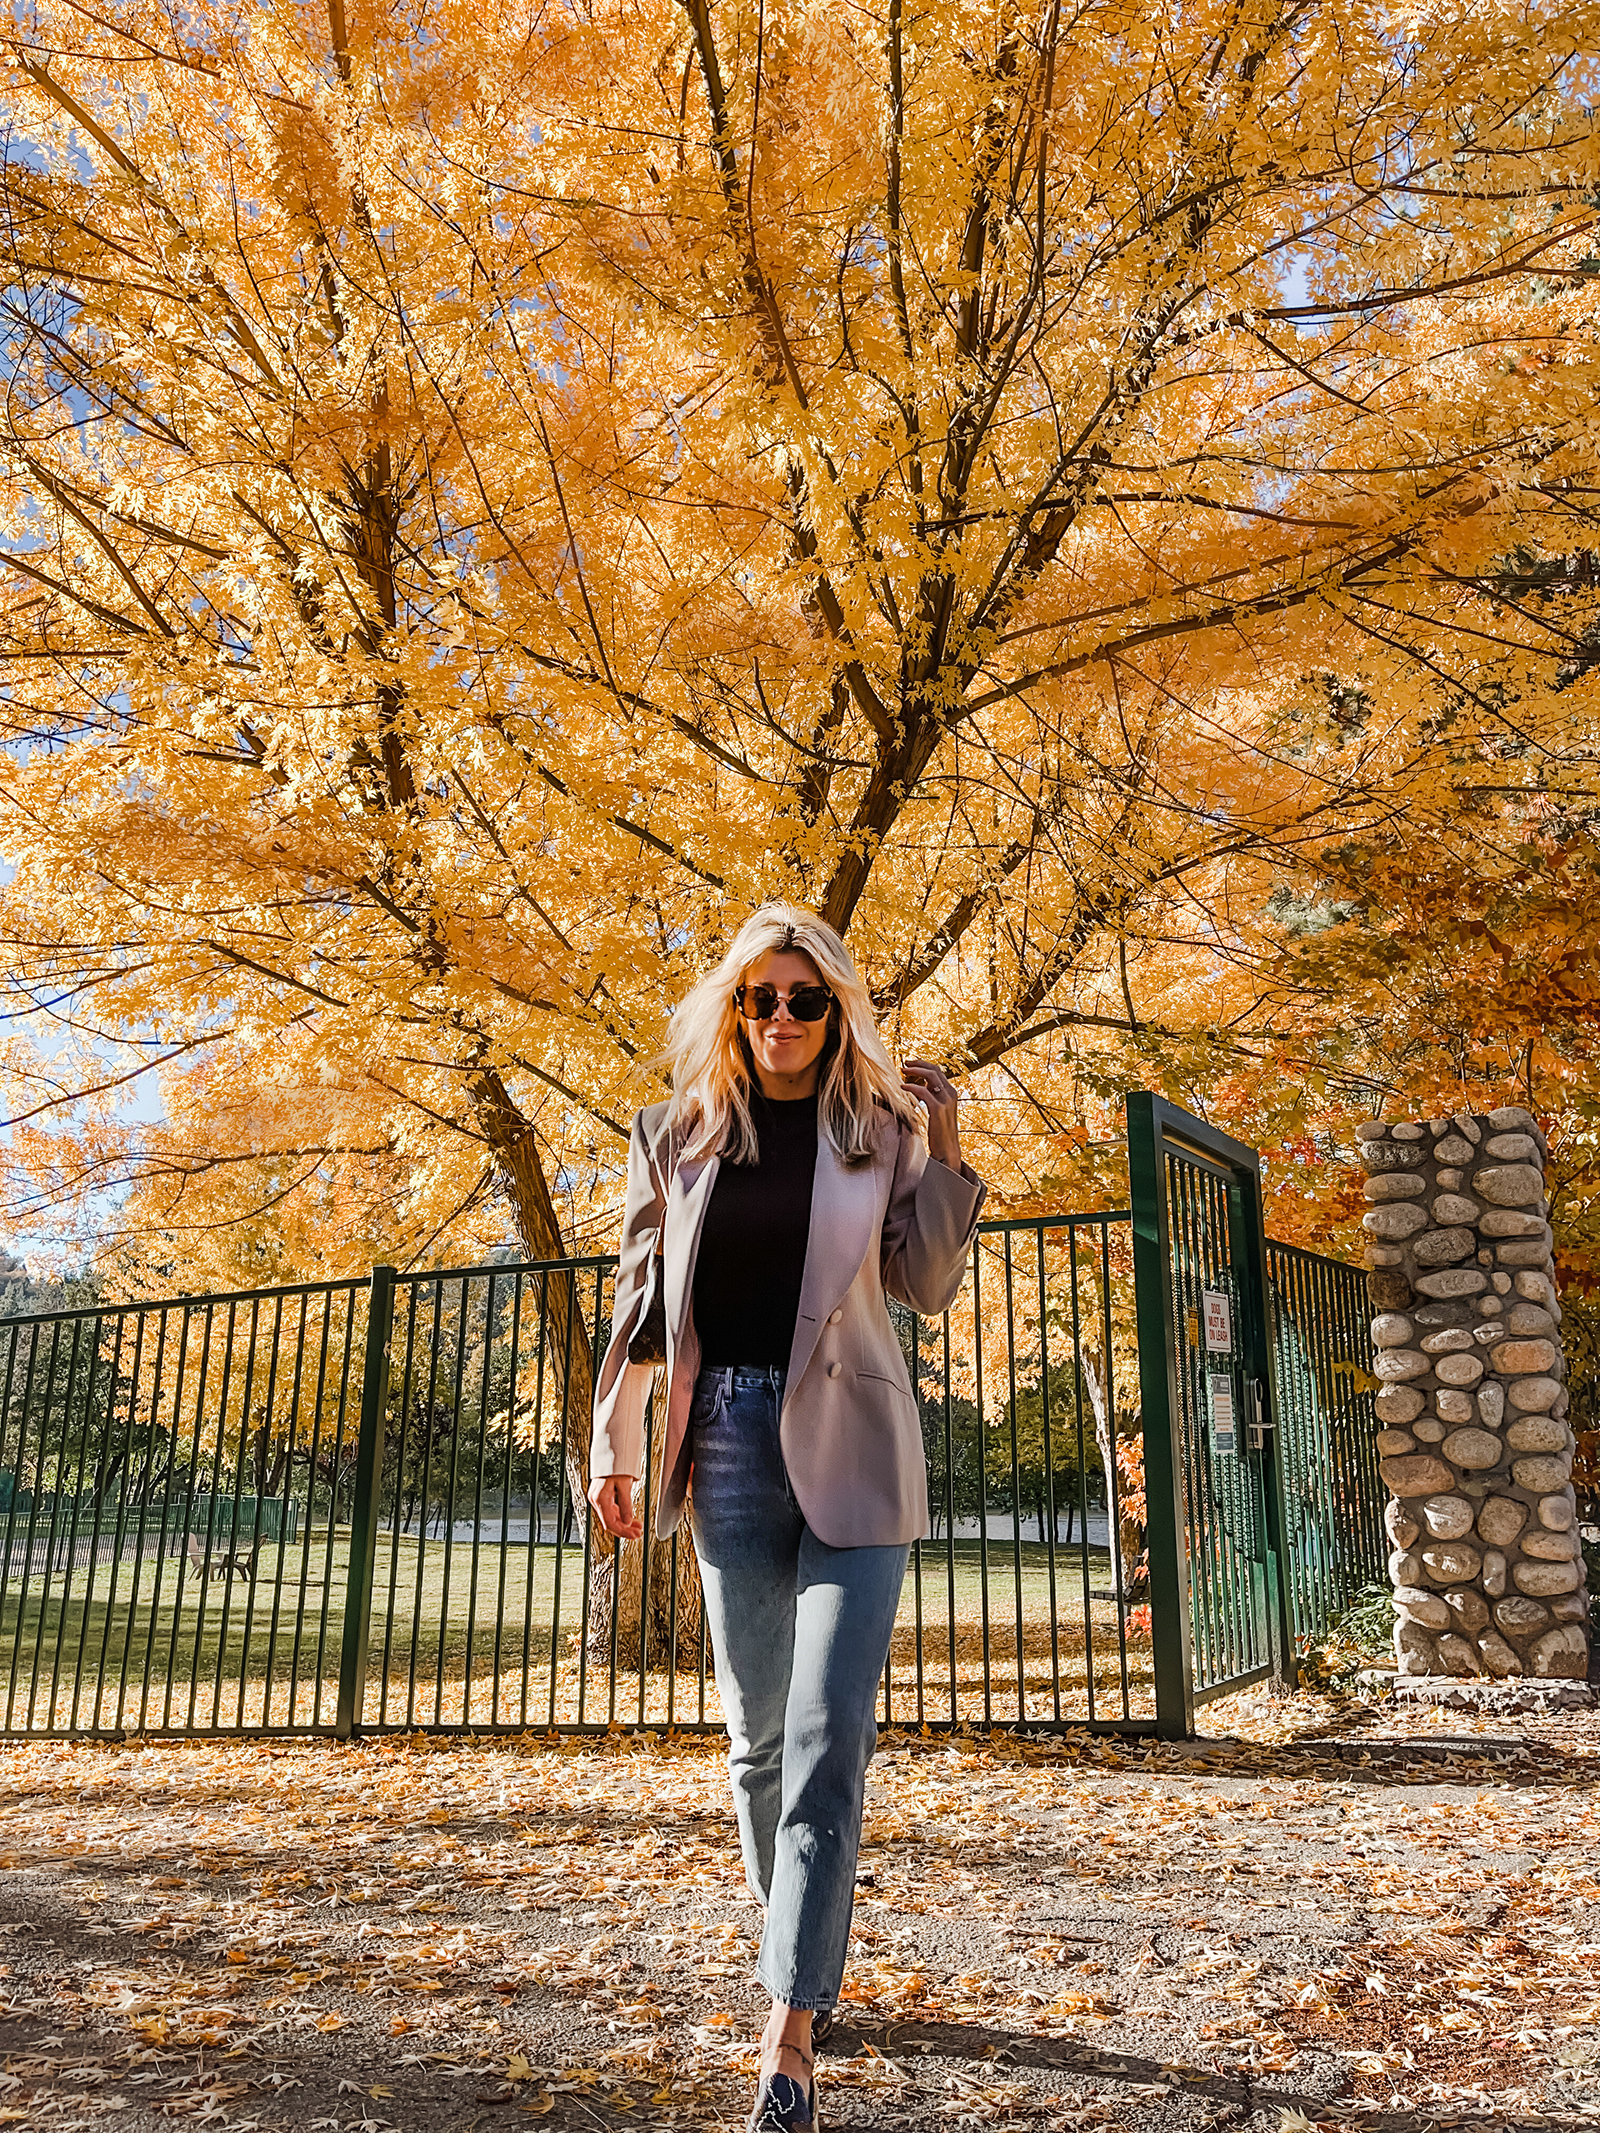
(752, 1254)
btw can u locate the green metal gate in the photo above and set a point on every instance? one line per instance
(1264, 1501)
(1199, 1274)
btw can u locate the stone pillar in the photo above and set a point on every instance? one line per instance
(1473, 1440)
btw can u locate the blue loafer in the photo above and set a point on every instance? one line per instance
(783, 2106)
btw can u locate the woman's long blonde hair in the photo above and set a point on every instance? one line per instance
(710, 1059)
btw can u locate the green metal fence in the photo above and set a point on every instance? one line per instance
(358, 1506)
(1327, 1462)
(495, 1603)
(179, 1480)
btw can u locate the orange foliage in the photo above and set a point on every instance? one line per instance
(487, 495)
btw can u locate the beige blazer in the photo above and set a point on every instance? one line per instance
(900, 1225)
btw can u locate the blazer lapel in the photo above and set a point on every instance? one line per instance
(844, 1217)
(688, 1197)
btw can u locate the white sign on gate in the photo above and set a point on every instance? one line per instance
(1219, 1322)
(1224, 1438)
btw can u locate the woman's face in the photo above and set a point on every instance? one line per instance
(787, 1053)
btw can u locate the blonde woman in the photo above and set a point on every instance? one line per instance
(789, 1192)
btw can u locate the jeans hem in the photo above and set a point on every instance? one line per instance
(803, 2003)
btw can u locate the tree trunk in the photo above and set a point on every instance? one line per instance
(271, 1462)
(571, 1321)
(573, 1327)
(646, 1622)
(107, 1477)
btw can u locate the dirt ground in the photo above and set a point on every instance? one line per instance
(1329, 1913)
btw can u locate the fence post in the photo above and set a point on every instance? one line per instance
(364, 1508)
(1158, 1400)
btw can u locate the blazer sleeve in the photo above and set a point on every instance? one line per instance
(617, 1444)
(927, 1227)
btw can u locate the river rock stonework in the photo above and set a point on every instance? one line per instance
(1473, 1439)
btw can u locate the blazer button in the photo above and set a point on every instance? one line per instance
(834, 1369)
(834, 1317)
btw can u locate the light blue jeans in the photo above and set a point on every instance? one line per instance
(800, 1632)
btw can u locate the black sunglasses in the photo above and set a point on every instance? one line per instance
(759, 1003)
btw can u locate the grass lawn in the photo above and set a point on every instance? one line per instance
(494, 1636)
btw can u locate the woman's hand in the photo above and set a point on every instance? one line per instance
(612, 1497)
(934, 1093)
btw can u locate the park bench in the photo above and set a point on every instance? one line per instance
(225, 1562)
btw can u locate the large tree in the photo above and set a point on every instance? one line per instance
(492, 494)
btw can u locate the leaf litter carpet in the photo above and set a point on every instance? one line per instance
(1326, 1915)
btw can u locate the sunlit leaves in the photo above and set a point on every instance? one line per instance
(1098, 507)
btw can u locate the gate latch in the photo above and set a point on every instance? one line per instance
(1260, 1414)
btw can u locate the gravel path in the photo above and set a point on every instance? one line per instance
(1331, 1914)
